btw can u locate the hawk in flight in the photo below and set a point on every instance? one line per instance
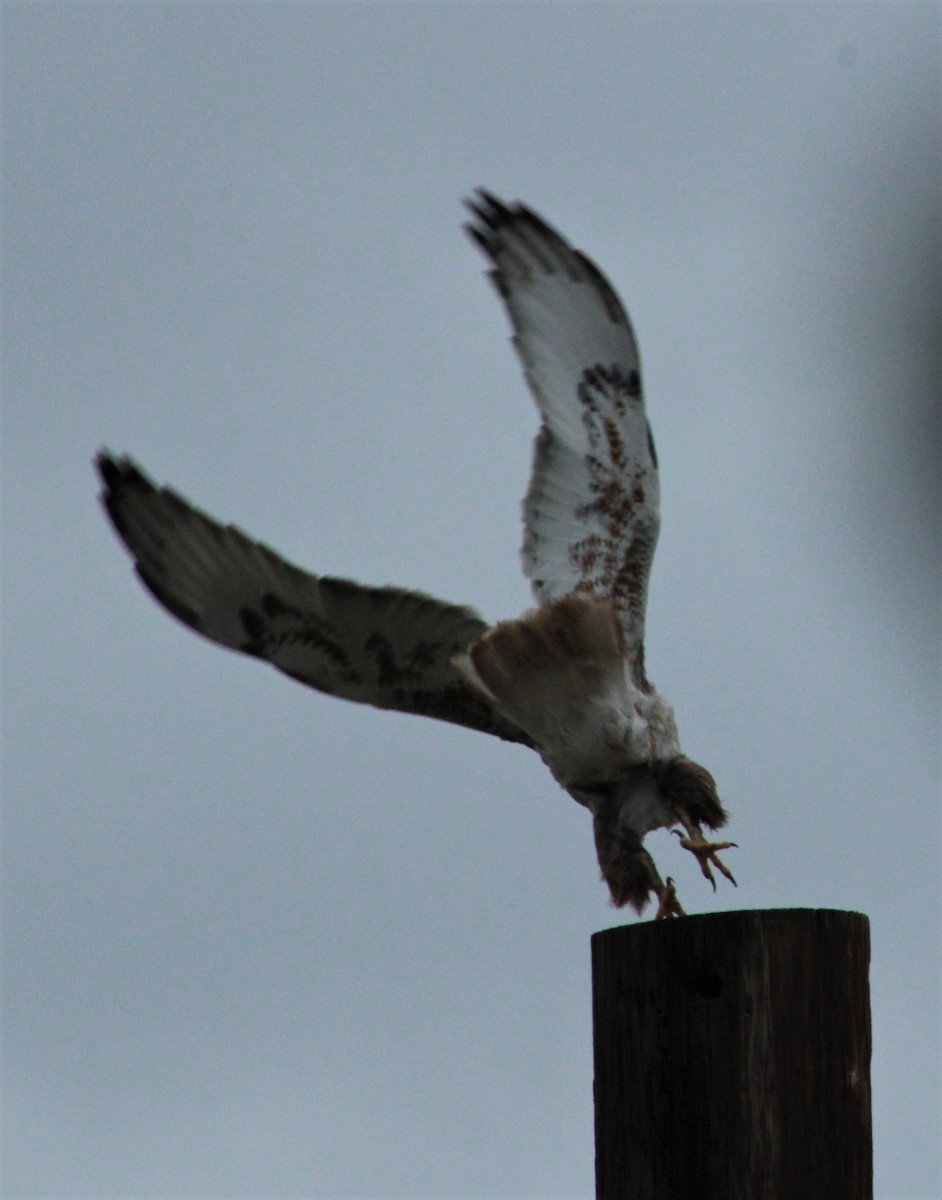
(568, 677)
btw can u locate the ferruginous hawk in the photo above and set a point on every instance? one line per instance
(568, 677)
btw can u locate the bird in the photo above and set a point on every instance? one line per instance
(567, 678)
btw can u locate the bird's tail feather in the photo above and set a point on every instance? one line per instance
(547, 669)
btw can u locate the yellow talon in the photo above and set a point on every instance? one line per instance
(668, 904)
(706, 853)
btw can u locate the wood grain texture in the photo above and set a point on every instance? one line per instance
(732, 1057)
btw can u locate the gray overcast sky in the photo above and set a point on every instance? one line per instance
(263, 943)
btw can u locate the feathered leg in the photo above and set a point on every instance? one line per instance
(691, 794)
(629, 869)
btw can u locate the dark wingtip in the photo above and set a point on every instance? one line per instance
(120, 476)
(108, 468)
(490, 213)
(483, 202)
(478, 236)
(534, 243)
(119, 472)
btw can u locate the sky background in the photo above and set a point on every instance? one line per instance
(259, 942)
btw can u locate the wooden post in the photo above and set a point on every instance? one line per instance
(732, 1057)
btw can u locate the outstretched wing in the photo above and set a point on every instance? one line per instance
(591, 514)
(377, 645)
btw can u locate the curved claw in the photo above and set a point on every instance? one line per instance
(668, 903)
(706, 853)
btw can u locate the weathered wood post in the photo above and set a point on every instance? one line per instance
(732, 1057)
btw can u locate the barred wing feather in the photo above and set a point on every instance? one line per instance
(383, 646)
(591, 514)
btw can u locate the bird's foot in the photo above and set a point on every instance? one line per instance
(705, 852)
(667, 903)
